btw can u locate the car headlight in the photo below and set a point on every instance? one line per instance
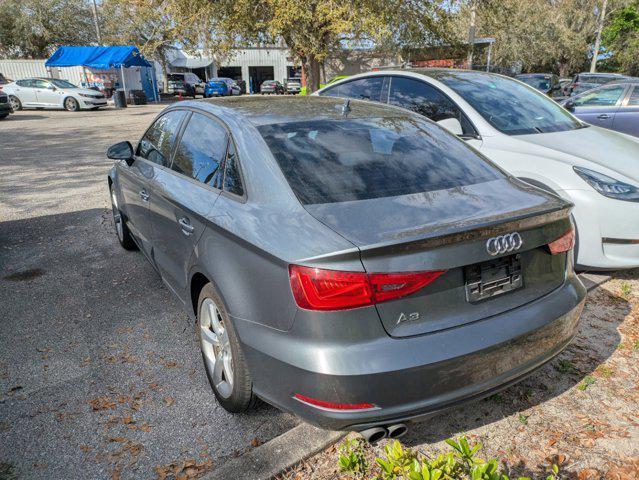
(608, 186)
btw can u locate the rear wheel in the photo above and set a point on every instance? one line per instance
(121, 230)
(224, 361)
(71, 104)
(15, 103)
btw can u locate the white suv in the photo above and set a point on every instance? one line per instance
(533, 138)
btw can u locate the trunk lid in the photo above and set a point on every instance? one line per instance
(448, 230)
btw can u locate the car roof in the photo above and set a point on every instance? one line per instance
(260, 110)
(601, 74)
(534, 75)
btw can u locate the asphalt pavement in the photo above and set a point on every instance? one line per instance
(100, 373)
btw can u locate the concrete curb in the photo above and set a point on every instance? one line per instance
(593, 280)
(303, 441)
(276, 455)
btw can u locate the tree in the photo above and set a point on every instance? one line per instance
(551, 35)
(311, 29)
(621, 38)
(35, 28)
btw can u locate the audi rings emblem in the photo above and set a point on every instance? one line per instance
(504, 244)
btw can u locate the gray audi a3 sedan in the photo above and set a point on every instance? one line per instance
(350, 262)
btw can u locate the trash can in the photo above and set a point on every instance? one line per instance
(139, 97)
(119, 99)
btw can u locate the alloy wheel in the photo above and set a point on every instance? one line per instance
(216, 347)
(15, 103)
(71, 104)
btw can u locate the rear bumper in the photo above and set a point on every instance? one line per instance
(411, 378)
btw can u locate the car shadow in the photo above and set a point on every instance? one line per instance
(14, 117)
(596, 340)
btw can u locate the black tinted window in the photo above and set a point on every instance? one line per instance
(158, 141)
(363, 89)
(201, 150)
(426, 100)
(328, 161)
(232, 178)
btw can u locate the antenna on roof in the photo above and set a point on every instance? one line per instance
(346, 107)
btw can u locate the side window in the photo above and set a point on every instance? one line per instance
(232, 177)
(158, 141)
(633, 101)
(426, 100)
(421, 98)
(201, 150)
(603, 97)
(363, 89)
(24, 83)
(40, 84)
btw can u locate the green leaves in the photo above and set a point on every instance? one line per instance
(352, 457)
(400, 463)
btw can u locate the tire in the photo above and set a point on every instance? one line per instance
(15, 102)
(71, 104)
(3, 116)
(229, 376)
(121, 230)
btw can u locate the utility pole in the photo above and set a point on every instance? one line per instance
(95, 22)
(595, 52)
(471, 33)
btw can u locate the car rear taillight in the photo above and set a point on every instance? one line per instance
(563, 243)
(319, 289)
(338, 407)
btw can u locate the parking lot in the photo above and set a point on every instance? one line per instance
(100, 373)
(101, 376)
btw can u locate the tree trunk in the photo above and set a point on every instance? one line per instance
(595, 52)
(312, 67)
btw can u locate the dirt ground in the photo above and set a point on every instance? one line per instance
(580, 411)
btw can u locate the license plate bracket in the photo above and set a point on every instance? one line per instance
(493, 278)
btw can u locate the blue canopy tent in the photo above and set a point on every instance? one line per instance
(103, 58)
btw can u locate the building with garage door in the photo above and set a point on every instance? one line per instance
(255, 65)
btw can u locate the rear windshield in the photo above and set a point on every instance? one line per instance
(328, 161)
(218, 84)
(175, 77)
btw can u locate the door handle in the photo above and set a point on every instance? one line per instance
(144, 195)
(185, 224)
(603, 116)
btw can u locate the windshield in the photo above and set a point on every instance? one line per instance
(62, 83)
(175, 77)
(328, 161)
(540, 83)
(509, 106)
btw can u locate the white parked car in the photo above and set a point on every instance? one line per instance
(293, 87)
(52, 93)
(533, 138)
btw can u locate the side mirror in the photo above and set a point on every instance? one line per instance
(452, 125)
(570, 105)
(121, 151)
(52, 87)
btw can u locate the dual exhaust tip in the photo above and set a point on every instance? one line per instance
(375, 434)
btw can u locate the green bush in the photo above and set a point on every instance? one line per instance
(401, 463)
